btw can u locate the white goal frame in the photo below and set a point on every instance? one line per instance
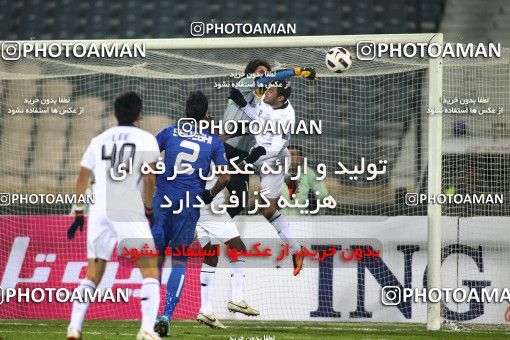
(435, 87)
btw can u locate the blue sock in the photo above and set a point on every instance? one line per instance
(174, 288)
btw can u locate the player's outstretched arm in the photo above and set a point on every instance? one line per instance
(278, 143)
(305, 72)
(81, 186)
(255, 154)
(149, 187)
(221, 183)
(237, 97)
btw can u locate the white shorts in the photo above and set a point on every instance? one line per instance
(273, 183)
(215, 228)
(128, 228)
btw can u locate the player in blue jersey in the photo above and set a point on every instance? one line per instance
(185, 152)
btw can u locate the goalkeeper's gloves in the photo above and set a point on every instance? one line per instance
(207, 197)
(306, 72)
(78, 222)
(255, 154)
(259, 92)
(237, 97)
(150, 215)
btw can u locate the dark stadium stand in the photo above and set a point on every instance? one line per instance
(41, 159)
(67, 19)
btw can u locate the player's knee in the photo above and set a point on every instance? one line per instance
(94, 276)
(268, 212)
(234, 211)
(95, 270)
(211, 260)
(182, 260)
(150, 272)
(95, 279)
(236, 243)
(159, 239)
(238, 186)
(149, 267)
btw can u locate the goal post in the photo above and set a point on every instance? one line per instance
(256, 42)
(434, 184)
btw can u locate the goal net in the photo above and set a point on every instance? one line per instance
(476, 156)
(373, 120)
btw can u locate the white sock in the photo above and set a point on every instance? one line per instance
(207, 287)
(237, 280)
(80, 308)
(149, 299)
(281, 225)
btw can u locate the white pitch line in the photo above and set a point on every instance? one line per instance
(63, 332)
(22, 324)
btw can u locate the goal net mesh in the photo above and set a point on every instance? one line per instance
(376, 111)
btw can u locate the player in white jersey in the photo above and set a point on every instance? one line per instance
(214, 229)
(115, 158)
(276, 107)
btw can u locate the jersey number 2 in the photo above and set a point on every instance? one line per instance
(188, 157)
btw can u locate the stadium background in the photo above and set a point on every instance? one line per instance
(377, 113)
(377, 125)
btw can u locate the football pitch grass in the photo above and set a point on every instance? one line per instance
(255, 330)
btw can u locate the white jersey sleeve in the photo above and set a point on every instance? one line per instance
(251, 111)
(275, 143)
(88, 161)
(152, 152)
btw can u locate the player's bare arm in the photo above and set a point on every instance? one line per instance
(81, 186)
(149, 187)
(222, 182)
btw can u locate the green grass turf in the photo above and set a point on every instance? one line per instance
(100, 329)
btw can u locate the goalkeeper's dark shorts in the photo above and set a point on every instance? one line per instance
(238, 182)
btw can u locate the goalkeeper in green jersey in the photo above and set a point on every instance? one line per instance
(303, 186)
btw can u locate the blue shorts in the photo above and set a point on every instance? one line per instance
(176, 229)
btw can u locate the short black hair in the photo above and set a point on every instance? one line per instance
(254, 64)
(127, 107)
(282, 88)
(196, 105)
